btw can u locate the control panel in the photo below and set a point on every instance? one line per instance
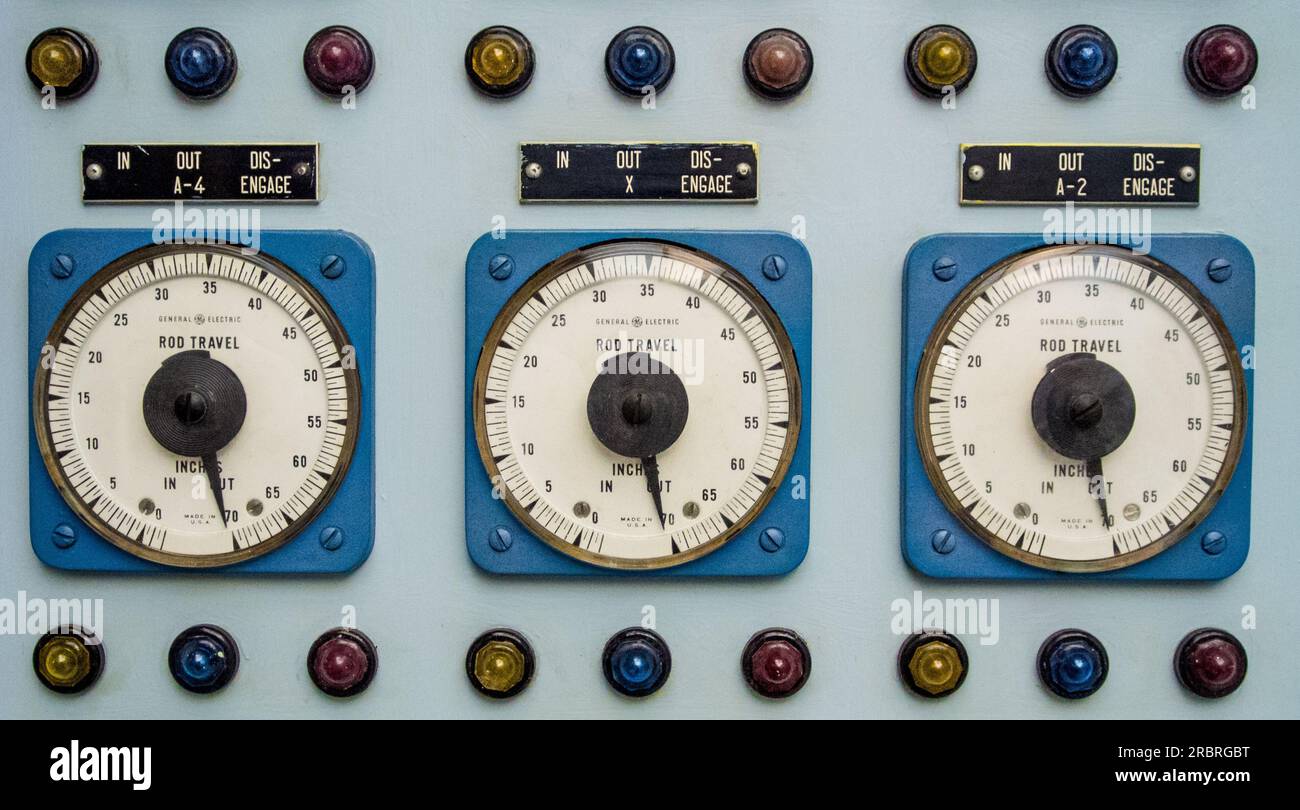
(519, 360)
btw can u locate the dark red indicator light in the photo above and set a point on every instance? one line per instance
(1210, 662)
(1220, 60)
(342, 662)
(776, 662)
(337, 58)
(778, 63)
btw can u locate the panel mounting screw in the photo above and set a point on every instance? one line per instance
(94, 171)
(944, 268)
(743, 169)
(774, 267)
(62, 265)
(332, 266)
(771, 540)
(64, 536)
(500, 540)
(501, 266)
(1187, 174)
(975, 172)
(1220, 270)
(1214, 543)
(331, 538)
(533, 170)
(943, 541)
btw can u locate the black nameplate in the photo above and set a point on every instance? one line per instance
(165, 172)
(638, 172)
(1083, 174)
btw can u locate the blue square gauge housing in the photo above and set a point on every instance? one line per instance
(637, 402)
(202, 407)
(1077, 411)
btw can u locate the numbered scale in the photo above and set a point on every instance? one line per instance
(1077, 409)
(197, 406)
(638, 403)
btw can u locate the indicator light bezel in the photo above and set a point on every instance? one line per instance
(1183, 665)
(756, 642)
(524, 48)
(617, 45)
(1061, 82)
(1192, 68)
(224, 77)
(89, 68)
(764, 89)
(94, 647)
(917, 640)
(368, 649)
(634, 635)
(912, 56)
(218, 636)
(326, 85)
(1057, 640)
(507, 636)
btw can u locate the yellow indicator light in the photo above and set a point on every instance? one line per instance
(942, 60)
(64, 661)
(499, 666)
(935, 667)
(56, 60)
(497, 60)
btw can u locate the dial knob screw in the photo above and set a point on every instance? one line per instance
(332, 266)
(944, 268)
(772, 540)
(1219, 270)
(501, 266)
(64, 536)
(500, 540)
(331, 538)
(62, 265)
(774, 267)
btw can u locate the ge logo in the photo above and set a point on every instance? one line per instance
(1082, 322)
(200, 319)
(637, 322)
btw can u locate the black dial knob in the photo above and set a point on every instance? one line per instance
(1083, 408)
(637, 406)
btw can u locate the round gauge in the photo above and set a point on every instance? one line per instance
(636, 404)
(1080, 408)
(197, 406)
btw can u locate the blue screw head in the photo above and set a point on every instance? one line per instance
(944, 268)
(62, 266)
(943, 541)
(500, 540)
(1219, 270)
(774, 267)
(1214, 543)
(332, 266)
(331, 538)
(64, 535)
(501, 266)
(771, 540)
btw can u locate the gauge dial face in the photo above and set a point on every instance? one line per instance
(636, 404)
(197, 406)
(1080, 408)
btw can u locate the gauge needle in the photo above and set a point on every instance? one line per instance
(1098, 480)
(651, 466)
(213, 469)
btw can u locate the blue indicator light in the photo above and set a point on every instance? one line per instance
(200, 63)
(636, 662)
(203, 658)
(638, 58)
(1081, 60)
(1072, 663)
